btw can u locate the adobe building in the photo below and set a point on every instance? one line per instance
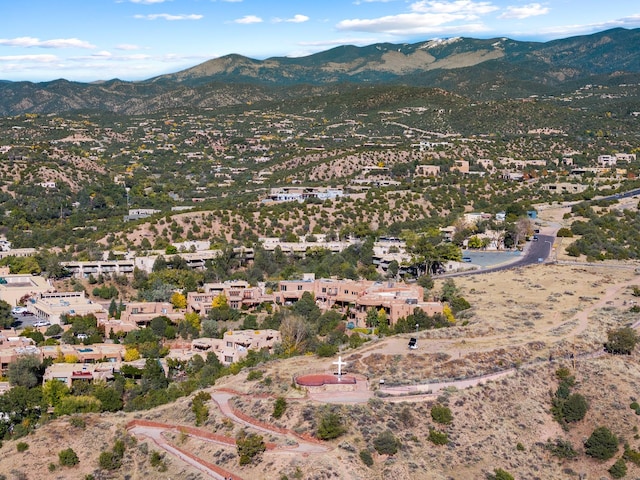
(234, 346)
(15, 287)
(141, 313)
(67, 373)
(51, 307)
(239, 294)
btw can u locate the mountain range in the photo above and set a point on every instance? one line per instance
(477, 68)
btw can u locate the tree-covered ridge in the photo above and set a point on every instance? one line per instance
(610, 235)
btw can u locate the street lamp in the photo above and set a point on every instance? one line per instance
(417, 326)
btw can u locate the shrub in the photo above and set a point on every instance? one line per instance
(108, 460)
(520, 447)
(500, 474)
(438, 438)
(157, 461)
(618, 469)
(561, 448)
(386, 443)
(441, 414)
(574, 408)
(602, 444)
(631, 455)
(199, 407)
(330, 427)
(68, 458)
(621, 341)
(255, 375)
(279, 407)
(249, 446)
(564, 232)
(326, 350)
(22, 446)
(634, 406)
(77, 421)
(367, 459)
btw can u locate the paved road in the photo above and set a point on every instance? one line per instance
(535, 252)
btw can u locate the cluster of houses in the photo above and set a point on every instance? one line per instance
(99, 361)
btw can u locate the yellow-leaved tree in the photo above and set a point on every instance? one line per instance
(220, 301)
(194, 319)
(448, 314)
(131, 354)
(178, 300)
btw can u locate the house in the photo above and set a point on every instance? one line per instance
(52, 306)
(461, 166)
(12, 348)
(67, 373)
(239, 294)
(607, 160)
(427, 170)
(235, 345)
(15, 287)
(141, 313)
(355, 298)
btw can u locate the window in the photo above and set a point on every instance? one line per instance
(229, 344)
(299, 287)
(283, 288)
(164, 310)
(134, 310)
(228, 359)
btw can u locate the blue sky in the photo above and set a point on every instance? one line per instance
(88, 40)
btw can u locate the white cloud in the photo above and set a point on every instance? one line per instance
(248, 19)
(295, 19)
(127, 46)
(519, 13)
(29, 58)
(457, 7)
(169, 17)
(36, 42)
(411, 23)
(632, 21)
(427, 17)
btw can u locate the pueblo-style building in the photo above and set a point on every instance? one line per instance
(355, 298)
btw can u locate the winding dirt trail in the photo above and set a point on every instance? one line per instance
(156, 432)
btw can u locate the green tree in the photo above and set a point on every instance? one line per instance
(249, 446)
(53, 392)
(331, 426)
(386, 443)
(5, 315)
(621, 341)
(574, 408)
(279, 407)
(441, 414)
(618, 469)
(26, 371)
(200, 408)
(500, 474)
(602, 444)
(68, 458)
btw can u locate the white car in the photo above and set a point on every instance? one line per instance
(82, 336)
(18, 310)
(42, 323)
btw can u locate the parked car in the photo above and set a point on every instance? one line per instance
(466, 259)
(535, 238)
(42, 323)
(82, 336)
(413, 343)
(18, 310)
